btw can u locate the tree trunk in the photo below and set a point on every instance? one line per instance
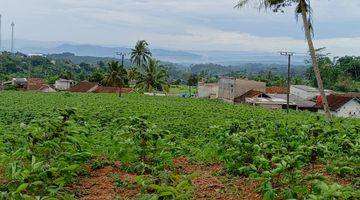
(313, 57)
(120, 86)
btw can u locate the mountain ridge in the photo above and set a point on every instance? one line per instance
(186, 57)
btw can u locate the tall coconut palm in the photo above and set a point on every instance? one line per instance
(117, 76)
(133, 73)
(153, 77)
(141, 53)
(303, 8)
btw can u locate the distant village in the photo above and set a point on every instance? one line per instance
(302, 97)
(231, 90)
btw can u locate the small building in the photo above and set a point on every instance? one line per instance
(47, 88)
(231, 88)
(64, 84)
(262, 99)
(307, 92)
(341, 106)
(19, 82)
(301, 104)
(208, 90)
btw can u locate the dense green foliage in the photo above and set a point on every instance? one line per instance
(152, 77)
(45, 140)
(342, 74)
(18, 65)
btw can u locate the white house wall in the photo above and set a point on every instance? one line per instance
(208, 91)
(350, 109)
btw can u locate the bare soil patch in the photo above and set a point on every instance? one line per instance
(212, 184)
(321, 169)
(101, 185)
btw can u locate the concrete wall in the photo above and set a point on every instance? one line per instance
(230, 88)
(350, 109)
(226, 88)
(208, 90)
(63, 85)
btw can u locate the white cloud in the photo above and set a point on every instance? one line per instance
(182, 24)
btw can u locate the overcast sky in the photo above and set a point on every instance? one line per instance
(183, 24)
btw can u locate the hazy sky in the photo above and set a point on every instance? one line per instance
(183, 24)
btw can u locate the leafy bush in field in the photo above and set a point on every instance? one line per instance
(43, 158)
(45, 143)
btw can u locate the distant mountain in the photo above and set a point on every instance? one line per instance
(174, 56)
(243, 57)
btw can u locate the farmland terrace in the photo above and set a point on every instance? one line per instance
(100, 146)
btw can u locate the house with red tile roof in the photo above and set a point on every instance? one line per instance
(35, 83)
(276, 90)
(84, 86)
(96, 88)
(341, 106)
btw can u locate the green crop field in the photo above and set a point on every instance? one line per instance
(100, 146)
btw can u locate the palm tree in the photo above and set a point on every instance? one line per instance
(303, 8)
(117, 76)
(141, 53)
(153, 77)
(133, 73)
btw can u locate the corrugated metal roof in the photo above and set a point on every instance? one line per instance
(300, 102)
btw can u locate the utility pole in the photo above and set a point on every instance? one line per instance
(122, 54)
(29, 76)
(12, 37)
(288, 54)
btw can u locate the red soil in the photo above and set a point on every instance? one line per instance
(321, 169)
(102, 186)
(208, 186)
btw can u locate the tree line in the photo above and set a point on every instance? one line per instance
(146, 73)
